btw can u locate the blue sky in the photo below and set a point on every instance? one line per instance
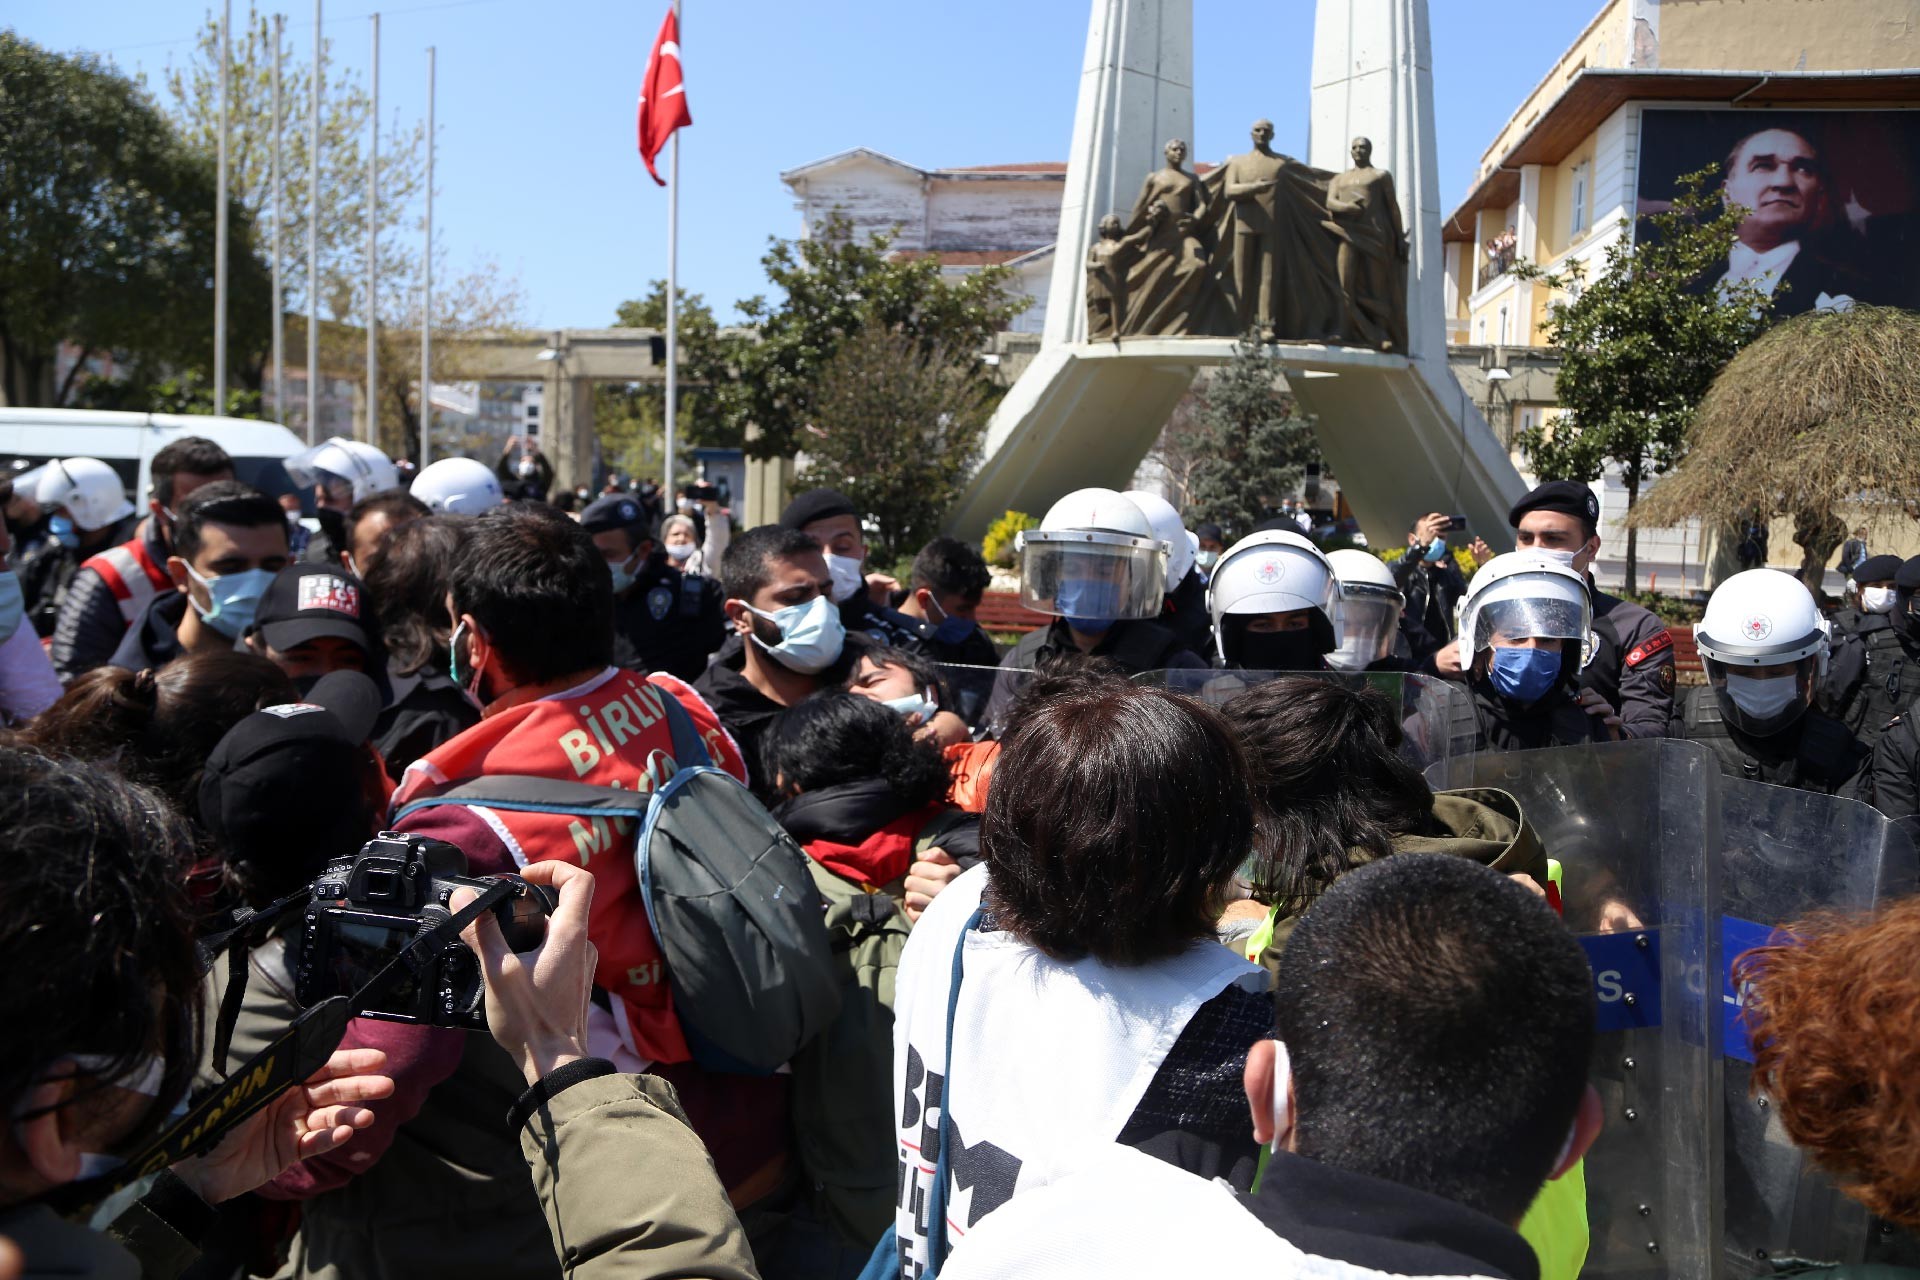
(536, 106)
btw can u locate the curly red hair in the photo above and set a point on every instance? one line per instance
(1834, 1013)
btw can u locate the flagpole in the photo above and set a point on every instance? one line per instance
(313, 231)
(220, 223)
(279, 218)
(673, 295)
(373, 243)
(426, 292)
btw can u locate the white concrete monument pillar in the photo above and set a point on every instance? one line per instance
(1136, 91)
(1373, 77)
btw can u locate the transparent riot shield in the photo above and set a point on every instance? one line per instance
(1429, 706)
(1632, 824)
(982, 695)
(1786, 853)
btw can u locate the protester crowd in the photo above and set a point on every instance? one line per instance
(1138, 941)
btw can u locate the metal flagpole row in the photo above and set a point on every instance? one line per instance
(279, 219)
(372, 419)
(673, 295)
(220, 221)
(426, 292)
(313, 232)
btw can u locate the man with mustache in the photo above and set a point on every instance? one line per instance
(1779, 178)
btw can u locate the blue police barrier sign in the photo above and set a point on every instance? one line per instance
(1736, 936)
(1626, 979)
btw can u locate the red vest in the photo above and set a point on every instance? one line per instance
(612, 732)
(132, 576)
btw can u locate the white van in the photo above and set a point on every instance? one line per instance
(128, 441)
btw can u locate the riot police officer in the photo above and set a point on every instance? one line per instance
(1186, 611)
(1765, 647)
(1271, 600)
(1525, 633)
(1366, 613)
(1632, 664)
(1095, 565)
(1874, 674)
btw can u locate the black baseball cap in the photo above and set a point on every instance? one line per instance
(816, 504)
(307, 601)
(285, 790)
(1568, 497)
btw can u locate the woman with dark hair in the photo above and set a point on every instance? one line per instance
(407, 587)
(1833, 1015)
(1086, 938)
(909, 685)
(1336, 795)
(861, 793)
(157, 727)
(103, 1008)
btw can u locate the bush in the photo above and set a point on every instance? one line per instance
(997, 546)
(1461, 556)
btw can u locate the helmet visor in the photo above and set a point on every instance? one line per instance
(1367, 627)
(1093, 577)
(1528, 619)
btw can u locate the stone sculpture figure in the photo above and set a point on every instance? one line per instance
(1109, 262)
(1363, 214)
(1252, 188)
(1164, 285)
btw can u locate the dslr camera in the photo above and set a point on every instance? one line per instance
(368, 907)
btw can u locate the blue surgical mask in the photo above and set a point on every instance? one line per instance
(1207, 559)
(13, 604)
(233, 599)
(1088, 604)
(1525, 675)
(623, 575)
(811, 635)
(848, 579)
(61, 530)
(952, 630)
(1436, 551)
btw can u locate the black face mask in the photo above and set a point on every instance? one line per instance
(1279, 651)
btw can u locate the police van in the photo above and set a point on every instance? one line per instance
(30, 438)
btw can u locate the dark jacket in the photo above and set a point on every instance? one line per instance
(1814, 753)
(1135, 645)
(90, 626)
(977, 650)
(886, 626)
(425, 709)
(1432, 592)
(745, 712)
(154, 638)
(855, 813)
(1893, 778)
(1556, 720)
(1873, 675)
(47, 573)
(1186, 614)
(668, 620)
(1633, 666)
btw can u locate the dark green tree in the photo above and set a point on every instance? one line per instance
(1640, 345)
(107, 231)
(833, 286)
(898, 430)
(631, 419)
(1243, 447)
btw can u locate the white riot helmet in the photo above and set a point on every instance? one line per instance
(1762, 618)
(1367, 609)
(1522, 595)
(1168, 527)
(1094, 561)
(1271, 572)
(364, 467)
(458, 486)
(88, 488)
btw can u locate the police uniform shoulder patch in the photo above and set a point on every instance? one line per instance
(1664, 675)
(659, 601)
(1647, 648)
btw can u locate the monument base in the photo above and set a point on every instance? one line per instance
(1401, 437)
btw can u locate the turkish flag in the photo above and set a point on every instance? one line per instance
(663, 98)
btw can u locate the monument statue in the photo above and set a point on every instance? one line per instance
(1172, 206)
(1109, 261)
(1262, 244)
(1364, 216)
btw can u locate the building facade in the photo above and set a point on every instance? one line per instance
(987, 215)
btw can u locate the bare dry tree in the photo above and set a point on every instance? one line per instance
(1820, 413)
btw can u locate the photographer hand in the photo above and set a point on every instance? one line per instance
(298, 1125)
(537, 1000)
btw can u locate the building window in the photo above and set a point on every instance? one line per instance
(1582, 202)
